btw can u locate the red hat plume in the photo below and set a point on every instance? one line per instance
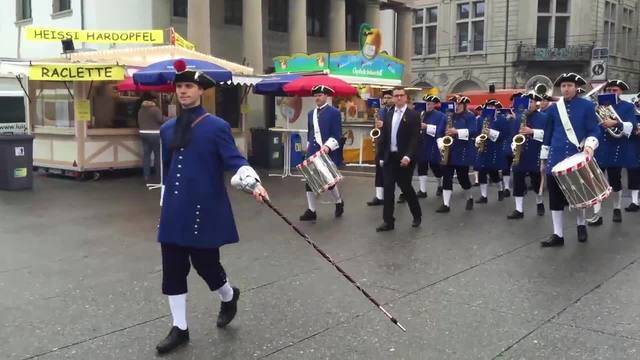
(180, 65)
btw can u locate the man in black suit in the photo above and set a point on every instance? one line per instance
(396, 152)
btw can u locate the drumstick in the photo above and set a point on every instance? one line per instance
(328, 258)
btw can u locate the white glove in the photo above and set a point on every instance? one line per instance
(544, 152)
(245, 179)
(381, 163)
(440, 143)
(513, 146)
(431, 130)
(478, 141)
(493, 135)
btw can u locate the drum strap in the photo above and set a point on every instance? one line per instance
(317, 135)
(566, 123)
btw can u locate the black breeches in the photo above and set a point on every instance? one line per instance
(176, 263)
(463, 177)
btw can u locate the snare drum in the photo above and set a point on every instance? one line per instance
(320, 172)
(581, 181)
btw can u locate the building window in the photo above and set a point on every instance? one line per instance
(316, 18)
(23, 10)
(233, 12)
(425, 23)
(279, 15)
(552, 24)
(180, 8)
(354, 18)
(628, 44)
(470, 26)
(227, 105)
(61, 5)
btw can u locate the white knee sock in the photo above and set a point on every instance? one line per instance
(596, 208)
(500, 186)
(335, 193)
(311, 201)
(556, 217)
(446, 197)
(440, 182)
(380, 193)
(580, 217)
(423, 183)
(506, 180)
(634, 196)
(178, 305)
(468, 194)
(483, 190)
(225, 292)
(539, 199)
(617, 200)
(519, 203)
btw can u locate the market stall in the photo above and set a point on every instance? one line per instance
(81, 122)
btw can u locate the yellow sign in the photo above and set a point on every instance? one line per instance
(75, 72)
(96, 36)
(182, 42)
(82, 109)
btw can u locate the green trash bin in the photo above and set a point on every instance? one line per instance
(16, 162)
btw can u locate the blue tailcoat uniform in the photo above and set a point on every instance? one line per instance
(615, 152)
(430, 151)
(513, 127)
(584, 121)
(330, 123)
(460, 153)
(634, 147)
(492, 158)
(196, 211)
(530, 155)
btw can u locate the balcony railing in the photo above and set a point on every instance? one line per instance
(580, 53)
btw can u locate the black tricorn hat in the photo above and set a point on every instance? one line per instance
(533, 95)
(192, 76)
(570, 77)
(322, 89)
(619, 83)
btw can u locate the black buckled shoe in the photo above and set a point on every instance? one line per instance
(443, 209)
(228, 309)
(375, 202)
(416, 222)
(515, 215)
(308, 216)
(596, 220)
(582, 233)
(506, 193)
(540, 209)
(339, 209)
(175, 339)
(421, 195)
(482, 200)
(469, 205)
(632, 208)
(401, 199)
(617, 216)
(553, 241)
(439, 191)
(501, 195)
(384, 227)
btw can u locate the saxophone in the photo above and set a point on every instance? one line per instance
(447, 141)
(484, 135)
(520, 139)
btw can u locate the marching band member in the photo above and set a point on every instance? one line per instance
(325, 129)
(461, 130)
(490, 159)
(614, 153)
(529, 162)
(577, 122)
(397, 151)
(387, 104)
(433, 124)
(633, 169)
(196, 218)
(507, 153)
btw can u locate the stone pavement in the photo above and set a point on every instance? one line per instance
(80, 279)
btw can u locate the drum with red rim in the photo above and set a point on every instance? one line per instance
(581, 181)
(320, 172)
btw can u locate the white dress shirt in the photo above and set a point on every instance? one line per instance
(395, 124)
